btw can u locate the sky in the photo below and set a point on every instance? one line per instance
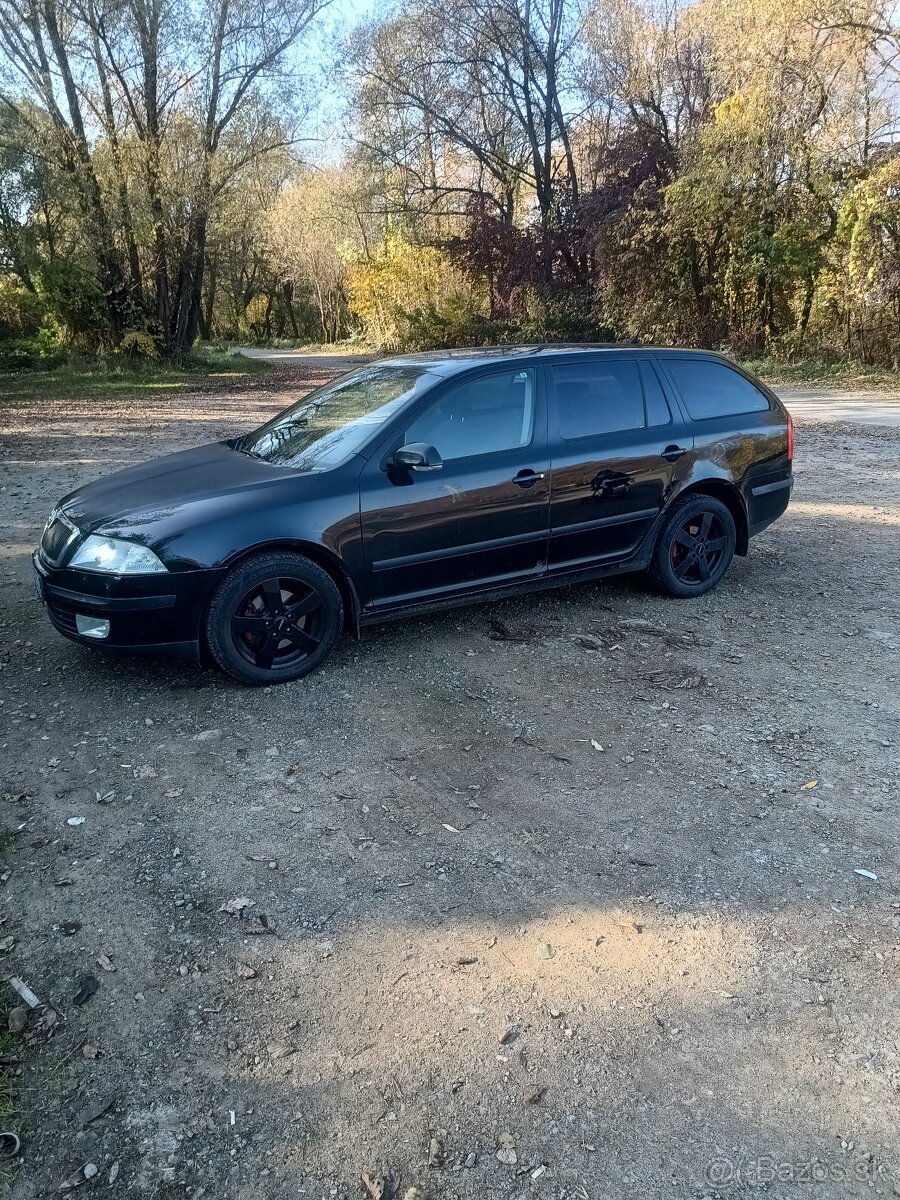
(328, 145)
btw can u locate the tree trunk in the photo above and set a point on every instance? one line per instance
(288, 292)
(805, 314)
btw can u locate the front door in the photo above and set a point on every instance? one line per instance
(618, 449)
(482, 518)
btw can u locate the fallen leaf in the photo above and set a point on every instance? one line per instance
(93, 1111)
(236, 906)
(105, 962)
(280, 1050)
(865, 874)
(545, 950)
(17, 1019)
(383, 1185)
(597, 746)
(77, 1178)
(589, 643)
(86, 988)
(506, 1150)
(435, 1153)
(260, 924)
(449, 828)
(630, 925)
(245, 971)
(808, 786)
(6, 944)
(75, 821)
(89, 1051)
(47, 1021)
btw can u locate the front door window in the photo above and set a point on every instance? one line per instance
(489, 415)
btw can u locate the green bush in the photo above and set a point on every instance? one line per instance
(21, 311)
(137, 343)
(566, 317)
(437, 325)
(38, 353)
(75, 302)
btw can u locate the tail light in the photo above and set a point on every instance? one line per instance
(790, 438)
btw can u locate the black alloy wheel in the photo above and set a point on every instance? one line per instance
(695, 547)
(274, 618)
(277, 623)
(698, 547)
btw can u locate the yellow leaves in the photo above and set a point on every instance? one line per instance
(870, 210)
(138, 344)
(256, 311)
(398, 279)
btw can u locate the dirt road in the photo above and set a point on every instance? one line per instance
(650, 970)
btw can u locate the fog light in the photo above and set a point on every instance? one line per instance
(94, 627)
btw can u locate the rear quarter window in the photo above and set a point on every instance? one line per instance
(711, 389)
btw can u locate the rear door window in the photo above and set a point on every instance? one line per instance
(597, 398)
(712, 389)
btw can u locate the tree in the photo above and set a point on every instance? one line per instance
(309, 233)
(473, 98)
(140, 95)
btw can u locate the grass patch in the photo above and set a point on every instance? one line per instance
(348, 345)
(97, 377)
(821, 374)
(10, 1045)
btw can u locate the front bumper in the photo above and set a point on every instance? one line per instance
(147, 614)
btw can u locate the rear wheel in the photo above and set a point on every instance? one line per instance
(274, 618)
(694, 548)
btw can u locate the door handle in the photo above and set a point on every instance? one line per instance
(673, 453)
(527, 478)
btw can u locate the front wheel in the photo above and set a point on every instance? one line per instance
(274, 618)
(694, 548)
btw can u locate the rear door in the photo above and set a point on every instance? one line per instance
(740, 433)
(619, 446)
(482, 518)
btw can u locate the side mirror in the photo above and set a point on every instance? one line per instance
(417, 456)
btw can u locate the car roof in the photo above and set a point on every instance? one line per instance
(451, 362)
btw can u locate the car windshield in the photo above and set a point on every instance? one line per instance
(325, 428)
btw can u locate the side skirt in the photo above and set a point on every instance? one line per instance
(637, 562)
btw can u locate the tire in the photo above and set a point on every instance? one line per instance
(274, 618)
(694, 548)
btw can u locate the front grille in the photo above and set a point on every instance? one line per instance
(64, 621)
(56, 538)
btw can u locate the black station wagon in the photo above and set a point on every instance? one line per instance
(419, 481)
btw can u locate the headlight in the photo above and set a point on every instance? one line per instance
(115, 556)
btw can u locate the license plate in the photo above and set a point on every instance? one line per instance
(39, 586)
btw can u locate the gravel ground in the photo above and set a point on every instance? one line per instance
(648, 970)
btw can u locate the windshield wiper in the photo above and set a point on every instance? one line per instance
(242, 449)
